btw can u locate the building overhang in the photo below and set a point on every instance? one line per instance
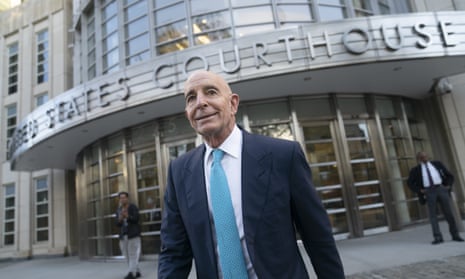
(403, 55)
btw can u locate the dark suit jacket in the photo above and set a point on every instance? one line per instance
(415, 179)
(277, 197)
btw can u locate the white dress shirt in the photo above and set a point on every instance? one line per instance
(437, 180)
(231, 163)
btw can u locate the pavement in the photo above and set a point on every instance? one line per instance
(401, 254)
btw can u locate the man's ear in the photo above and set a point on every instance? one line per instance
(234, 102)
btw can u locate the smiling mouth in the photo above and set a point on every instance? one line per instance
(205, 116)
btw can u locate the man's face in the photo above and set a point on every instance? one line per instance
(210, 105)
(123, 199)
(422, 157)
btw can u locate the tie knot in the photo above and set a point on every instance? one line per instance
(217, 155)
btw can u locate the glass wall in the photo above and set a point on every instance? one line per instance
(359, 148)
(113, 35)
(110, 36)
(171, 31)
(136, 27)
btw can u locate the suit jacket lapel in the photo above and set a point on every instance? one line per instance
(256, 168)
(194, 179)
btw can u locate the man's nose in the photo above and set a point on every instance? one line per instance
(201, 100)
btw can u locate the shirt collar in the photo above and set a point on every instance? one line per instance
(232, 145)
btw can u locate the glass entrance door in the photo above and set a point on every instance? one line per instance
(321, 151)
(365, 183)
(150, 188)
(149, 198)
(344, 173)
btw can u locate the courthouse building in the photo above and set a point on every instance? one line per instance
(92, 104)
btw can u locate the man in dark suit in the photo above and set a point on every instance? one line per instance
(432, 182)
(271, 190)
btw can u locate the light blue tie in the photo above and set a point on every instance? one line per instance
(229, 245)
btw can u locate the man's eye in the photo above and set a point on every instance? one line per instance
(211, 92)
(190, 99)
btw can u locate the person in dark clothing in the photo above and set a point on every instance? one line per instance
(127, 218)
(432, 182)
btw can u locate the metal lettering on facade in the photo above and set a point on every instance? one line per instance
(65, 110)
(355, 40)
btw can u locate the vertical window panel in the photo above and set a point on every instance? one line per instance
(253, 15)
(202, 6)
(41, 209)
(294, 13)
(41, 99)
(90, 40)
(42, 60)
(384, 7)
(13, 57)
(137, 32)
(362, 8)
(110, 39)
(171, 29)
(170, 13)
(332, 10)
(11, 120)
(9, 209)
(212, 22)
